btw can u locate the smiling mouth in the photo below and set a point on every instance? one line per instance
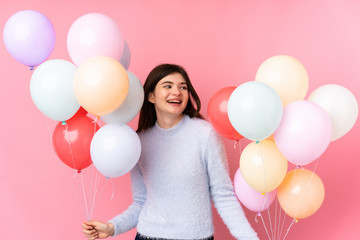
(174, 101)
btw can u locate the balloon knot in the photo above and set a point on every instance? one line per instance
(263, 193)
(107, 177)
(78, 171)
(296, 220)
(96, 119)
(257, 142)
(31, 68)
(63, 123)
(259, 214)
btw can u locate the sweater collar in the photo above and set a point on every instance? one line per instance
(173, 129)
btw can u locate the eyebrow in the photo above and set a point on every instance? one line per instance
(168, 82)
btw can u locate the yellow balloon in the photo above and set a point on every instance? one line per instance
(263, 166)
(301, 193)
(101, 85)
(286, 75)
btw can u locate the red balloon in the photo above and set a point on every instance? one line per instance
(81, 112)
(72, 141)
(218, 114)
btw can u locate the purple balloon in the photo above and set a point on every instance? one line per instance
(29, 36)
(249, 197)
(126, 56)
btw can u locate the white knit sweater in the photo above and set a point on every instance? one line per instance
(180, 171)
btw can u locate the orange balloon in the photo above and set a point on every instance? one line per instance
(101, 85)
(301, 193)
(263, 166)
(286, 75)
(271, 138)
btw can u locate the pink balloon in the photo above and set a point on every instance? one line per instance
(304, 132)
(94, 34)
(249, 197)
(29, 36)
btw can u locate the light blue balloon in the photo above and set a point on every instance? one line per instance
(255, 110)
(51, 88)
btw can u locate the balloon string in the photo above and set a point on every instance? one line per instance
(291, 224)
(264, 202)
(263, 164)
(236, 143)
(275, 221)
(278, 229)
(113, 189)
(95, 121)
(268, 211)
(262, 219)
(84, 194)
(282, 225)
(92, 182)
(271, 228)
(96, 188)
(307, 188)
(92, 193)
(256, 216)
(76, 194)
(67, 177)
(67, 137)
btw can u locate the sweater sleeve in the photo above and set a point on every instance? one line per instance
(129, 218)
(222, 191)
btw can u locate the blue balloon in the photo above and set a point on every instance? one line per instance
(255, 110)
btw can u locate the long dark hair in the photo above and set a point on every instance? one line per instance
(147, 117)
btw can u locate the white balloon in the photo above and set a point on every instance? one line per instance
(131, 105)
(51, 88)
(255, 110)
(115, 149)
(340, 104)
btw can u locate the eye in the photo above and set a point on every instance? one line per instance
(167, 86)
(183, 87)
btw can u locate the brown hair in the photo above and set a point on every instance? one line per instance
(147, 117)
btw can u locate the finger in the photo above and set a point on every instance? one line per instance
(93, 237)
(89, 232)
(87, 226)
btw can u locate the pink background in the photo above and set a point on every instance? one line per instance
(221, 43)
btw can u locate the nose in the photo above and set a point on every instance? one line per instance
(176, 91)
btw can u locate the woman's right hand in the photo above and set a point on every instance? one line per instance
(95, 229)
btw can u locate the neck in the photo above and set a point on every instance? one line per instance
(168, 121)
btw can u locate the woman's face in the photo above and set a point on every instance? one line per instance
(170, 95)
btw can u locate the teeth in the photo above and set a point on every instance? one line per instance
(174, 101)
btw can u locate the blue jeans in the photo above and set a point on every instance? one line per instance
(141, 237)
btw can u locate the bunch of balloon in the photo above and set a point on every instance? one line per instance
(306, 130)
(104, 88)
(29, 37)
(329, 113)
(97, 83)
(271, 111)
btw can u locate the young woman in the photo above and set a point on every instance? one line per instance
(182, 167)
